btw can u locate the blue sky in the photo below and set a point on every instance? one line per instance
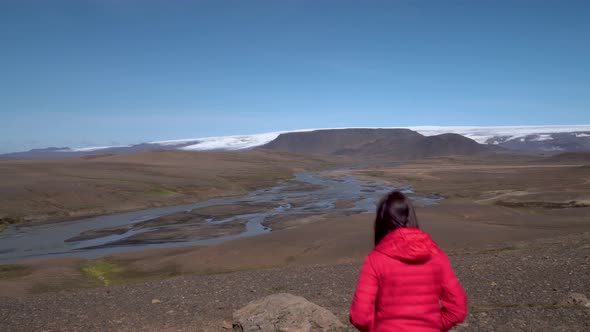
(87, 73)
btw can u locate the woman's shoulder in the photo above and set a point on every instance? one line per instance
(376, 257)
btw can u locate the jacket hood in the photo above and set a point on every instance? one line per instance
(408, 244)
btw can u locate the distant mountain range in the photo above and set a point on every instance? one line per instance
(545, 139)
(424, 141)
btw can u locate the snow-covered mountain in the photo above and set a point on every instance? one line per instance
(495, 135)
(528, 138)
(554, 139)
(482, 135)
(574, 138)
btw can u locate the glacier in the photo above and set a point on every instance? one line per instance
(481, 134)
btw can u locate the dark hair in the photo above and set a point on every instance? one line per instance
(394, 210)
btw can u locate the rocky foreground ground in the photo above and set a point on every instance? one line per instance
(519, 287)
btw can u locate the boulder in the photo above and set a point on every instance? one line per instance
(285, 312)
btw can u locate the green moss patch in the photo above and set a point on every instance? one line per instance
(7, 221)
(108, 272)
(161, 192)
(102, 271)
(13, 271)
(510, 248)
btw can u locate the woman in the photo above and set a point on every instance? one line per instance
(406, 283)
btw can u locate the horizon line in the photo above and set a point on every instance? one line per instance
(273, 133)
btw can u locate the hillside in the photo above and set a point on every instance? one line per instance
(334, 141)
(570, 157)
(401, 144)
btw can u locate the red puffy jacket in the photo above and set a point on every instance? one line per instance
(407, 284)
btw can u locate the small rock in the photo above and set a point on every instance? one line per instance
(227, 325)
(575, 299)
(494, 284)
(156, 301)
